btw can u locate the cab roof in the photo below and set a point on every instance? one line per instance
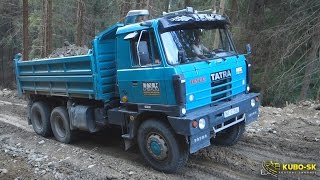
(178, 21)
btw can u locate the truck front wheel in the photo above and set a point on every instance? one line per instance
(229, 136)
(61, 125)
(161, 147)
(40, 118)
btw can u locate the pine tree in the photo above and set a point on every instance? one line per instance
(80, 15)
(25, 30)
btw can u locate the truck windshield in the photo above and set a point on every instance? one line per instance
(197, 44)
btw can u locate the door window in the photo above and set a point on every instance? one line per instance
(145, 50)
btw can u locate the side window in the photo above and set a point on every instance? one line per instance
(145, 52)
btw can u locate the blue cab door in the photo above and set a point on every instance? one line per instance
(144, 80)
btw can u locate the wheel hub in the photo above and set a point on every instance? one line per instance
(157, 147)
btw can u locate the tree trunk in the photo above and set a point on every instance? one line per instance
(318, 93)
(309, 68)
(79, 34)
(214, 5)
(167, 7)
(221, 12)
(2, 65)
(137, 4)
(234, 11)
(187, 3)
(25, 16)
(222, 6)
(126, 5)
(142, 4)
(145, 4)
(255, 17)
(49, 28)
(43, 30)
(94, 17)
(313, 57)
(46, 28)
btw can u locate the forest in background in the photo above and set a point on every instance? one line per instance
(284, 34)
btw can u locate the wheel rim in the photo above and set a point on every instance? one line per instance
(59, 126)
(157, 146)
(37, 120)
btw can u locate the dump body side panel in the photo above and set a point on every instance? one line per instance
(68, 77)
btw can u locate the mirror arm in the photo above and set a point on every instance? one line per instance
(138, 46)
(249, 49)
(181, 56)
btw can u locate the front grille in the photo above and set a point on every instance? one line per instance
(220, 86)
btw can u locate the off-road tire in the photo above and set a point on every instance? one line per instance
(40, 118)
(177, 151)
(229, 136)
(60, 124)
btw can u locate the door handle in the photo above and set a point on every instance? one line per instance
(134, 83)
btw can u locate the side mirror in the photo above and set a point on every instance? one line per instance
(138, 45)
(248, 48)
(182, 56)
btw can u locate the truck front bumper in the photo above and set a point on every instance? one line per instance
(217, 118)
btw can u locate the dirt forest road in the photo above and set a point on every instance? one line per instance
(288, 135)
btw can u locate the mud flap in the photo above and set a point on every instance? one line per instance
(29, 111)
(199, 141)
(252, 115)
(128, 143)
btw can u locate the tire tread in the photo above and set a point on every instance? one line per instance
(182, 153)
(44, 111)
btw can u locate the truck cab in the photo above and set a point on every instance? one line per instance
(184, 70)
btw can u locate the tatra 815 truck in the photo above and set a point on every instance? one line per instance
(173, 85)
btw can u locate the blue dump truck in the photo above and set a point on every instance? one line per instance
(173, 85)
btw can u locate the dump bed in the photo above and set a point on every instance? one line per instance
(90, 76)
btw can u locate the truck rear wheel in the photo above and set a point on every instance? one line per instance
(229, 136)
(161, 147)
(61, 125)
(40, 118)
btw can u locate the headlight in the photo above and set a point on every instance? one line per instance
(183, 111)
(202, 123)
(191, 97)
(253, 102)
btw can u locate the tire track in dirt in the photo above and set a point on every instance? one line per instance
(279, 148)
(116, 154)
(11, 103)
(16, 121)
(242, 161)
